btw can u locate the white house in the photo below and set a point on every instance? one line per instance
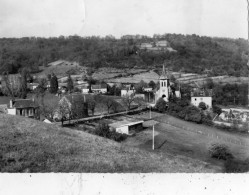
(127, 92)
(196, 100)
(102, 88)
(85, 89)
(23, 107)
(127, 127)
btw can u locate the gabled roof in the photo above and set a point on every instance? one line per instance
(124, 123)
(101, 86)
(24, 103)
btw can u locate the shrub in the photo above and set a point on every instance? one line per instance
(104, 131)
(236, 166)
(202, 106)
(161, 105)
(221, 152)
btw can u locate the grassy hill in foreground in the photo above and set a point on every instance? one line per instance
(27, 145)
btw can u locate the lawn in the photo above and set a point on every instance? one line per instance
(180, 138)
(28, 145)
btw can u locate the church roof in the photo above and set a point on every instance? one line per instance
(163, 75)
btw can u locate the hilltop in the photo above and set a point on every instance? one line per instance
(32, 146)
(185, 53)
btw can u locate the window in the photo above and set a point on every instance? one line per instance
(195, 99)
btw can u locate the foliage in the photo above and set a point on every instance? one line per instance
(219, 151)
(230, 94)
(91, 103)
(202, 106)
(53, 84)
(236, 166)
(161, 105)
(217, 109)
(218, 56)
(69, 84)
(103, 130)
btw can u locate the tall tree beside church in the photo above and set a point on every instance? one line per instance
(53, 84)
(69, 83)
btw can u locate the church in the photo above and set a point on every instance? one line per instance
(164, 91)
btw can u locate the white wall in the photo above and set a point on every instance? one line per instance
(196, 101)
(11, 111)
(124, 130)
(85, 90)
(124, 92)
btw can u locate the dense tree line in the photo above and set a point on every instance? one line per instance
(194, 53)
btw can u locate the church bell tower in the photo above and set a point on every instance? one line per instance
(164, 86)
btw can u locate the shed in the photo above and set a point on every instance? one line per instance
(127, 127)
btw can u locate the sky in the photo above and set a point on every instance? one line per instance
(50, 18)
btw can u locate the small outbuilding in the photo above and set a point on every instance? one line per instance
(127, 127)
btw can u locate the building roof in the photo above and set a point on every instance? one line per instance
(24, 103)
(101, 86)
(124, 123)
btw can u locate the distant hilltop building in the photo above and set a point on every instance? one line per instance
(161, 45)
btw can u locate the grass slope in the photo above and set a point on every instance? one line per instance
(27, 145)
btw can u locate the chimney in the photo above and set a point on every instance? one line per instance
(11, 103)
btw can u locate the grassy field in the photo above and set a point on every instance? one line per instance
(177, 137)
(27, 145)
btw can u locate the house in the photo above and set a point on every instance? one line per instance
(146, 46)
(126, 127)
(162, 43)
(196, 100)
(148, 89)
(85, 89)
(33, 86)
(23, 107)
(101, 88)
(127, 92)
(198, 96)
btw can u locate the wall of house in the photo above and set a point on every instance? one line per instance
(123, 130)
(11, 111)
(197, 100)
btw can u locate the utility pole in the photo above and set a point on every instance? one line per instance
(153, 140)
(248, 42)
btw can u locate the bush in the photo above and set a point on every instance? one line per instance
(104, 131)
(202, 106)
(221, 152)
(161, 105)
(236, 166)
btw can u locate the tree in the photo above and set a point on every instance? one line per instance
(152, 84)
(64, 110)
(24, 77)
(127, 101)
(192, 114)
(217, 110)
(53, 84)
(209, 83)
(91, 104)
(140, 86)
(69, 83)
(202, 106)
(48, 106)
(108, 102)
(161, 105)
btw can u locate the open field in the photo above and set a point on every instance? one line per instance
(31, 146)
(136, 78)
(177, 137)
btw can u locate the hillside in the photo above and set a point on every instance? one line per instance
(192, 53)
(32, 146)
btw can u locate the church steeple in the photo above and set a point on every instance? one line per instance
(163, 75)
